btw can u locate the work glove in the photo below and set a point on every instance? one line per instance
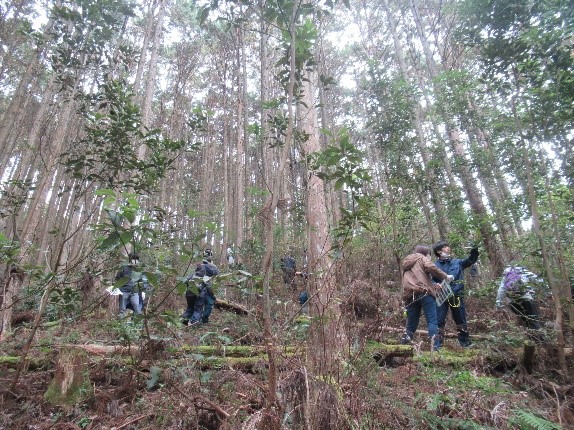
(450, 278)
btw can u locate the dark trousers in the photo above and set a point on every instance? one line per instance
(199, 307)
(427, 304)
(209, 302)
(456, 305)
(527, 311)
(195, 304)
(288, 276)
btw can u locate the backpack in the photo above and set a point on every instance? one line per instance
(211, 269)
(513, 279)
(206, 269)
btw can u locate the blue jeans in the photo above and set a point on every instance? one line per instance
(456, 305)
(132, 300)
(427, 304)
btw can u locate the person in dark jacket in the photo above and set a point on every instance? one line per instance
(455, 267)
(419, 293)
(289, 268)
(134, 284)
(200, 304)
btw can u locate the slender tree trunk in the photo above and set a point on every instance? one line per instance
(228, 173)
(495, 257)
(143, 55)
(271, 420)
(546, 259)
(152, 73)
(436, 198)
(556, 293)
(495, 254)
(564, 287)
(242, 136)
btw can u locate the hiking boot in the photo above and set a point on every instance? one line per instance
(185, 322)
(405, 340)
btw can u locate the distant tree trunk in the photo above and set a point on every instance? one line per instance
(276, 177)
(152, 73)
(546, 258)
(242, 139)
(11, 124)
(143, 55)
(207, 173)
(496, 258)
(495, 255)
(52, 175)
(430, 178)
(11, 285)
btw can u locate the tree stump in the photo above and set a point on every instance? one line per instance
(528, 356)
(71, 383)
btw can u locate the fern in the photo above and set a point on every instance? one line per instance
(528, 421)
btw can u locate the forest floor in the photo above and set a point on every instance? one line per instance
(98, 372)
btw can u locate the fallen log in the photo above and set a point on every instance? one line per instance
(232, 350)
(425, 333)
(200, 362)
(35, 363)
(384, 354)
(231, 307)
(237, 351)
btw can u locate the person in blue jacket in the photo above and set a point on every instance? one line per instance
(455, 267)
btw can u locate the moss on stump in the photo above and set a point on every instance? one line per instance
(71, 383)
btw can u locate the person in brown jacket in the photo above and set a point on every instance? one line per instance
(419, 293)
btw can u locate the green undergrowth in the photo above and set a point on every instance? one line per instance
(458, 359)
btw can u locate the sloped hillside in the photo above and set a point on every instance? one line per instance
(103, 373)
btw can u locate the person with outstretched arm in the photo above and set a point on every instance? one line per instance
(454, 267)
